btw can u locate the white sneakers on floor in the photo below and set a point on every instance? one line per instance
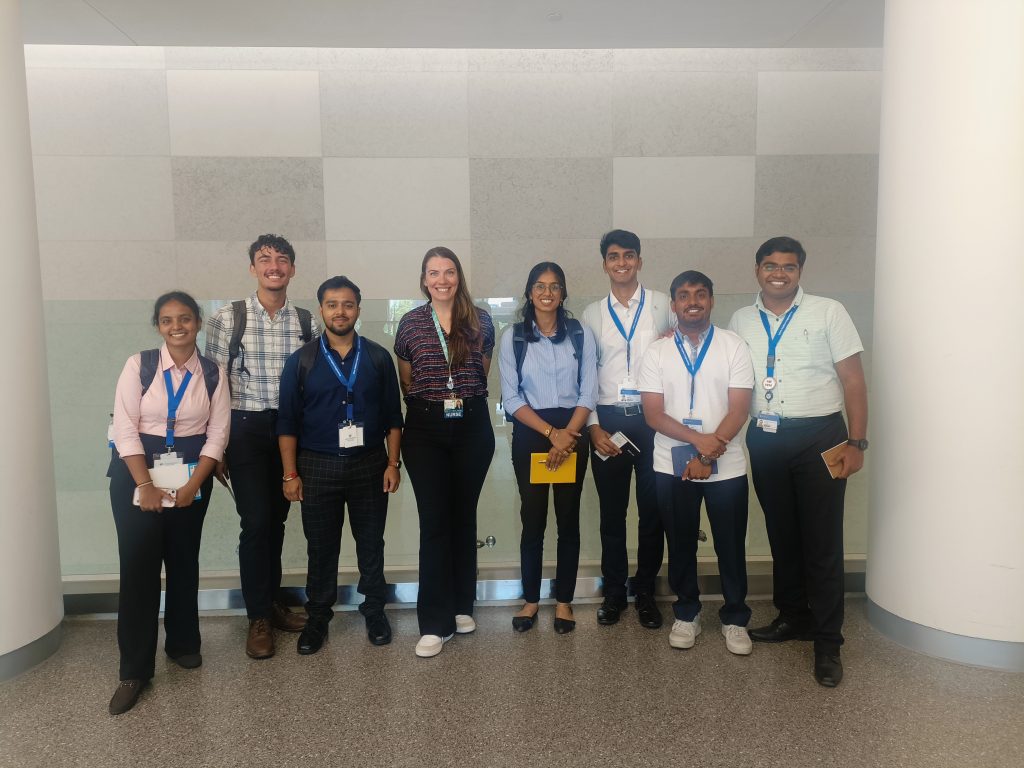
(737, 640)
(464, 624)
(431, 645)
(684, 633)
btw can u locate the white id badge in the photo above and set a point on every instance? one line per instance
(628, 393)
(167, 459)
(697, 425)
(769, 422)
(110, 435)
(350, 435)
(453, 408)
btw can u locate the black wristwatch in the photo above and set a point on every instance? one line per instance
(861, 444)
(705, 460)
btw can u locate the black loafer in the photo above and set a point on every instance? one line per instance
(312, 638)
(647, 611)
(125, 696)
(828, 669)
(524, 623)
(610, 610)
(779, 631)
(378, 629)
(188, 660)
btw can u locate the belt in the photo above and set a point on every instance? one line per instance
(436, 407)
(632, 409)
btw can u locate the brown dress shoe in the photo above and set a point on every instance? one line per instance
(260, 643)
(125, 696)
(285, 620)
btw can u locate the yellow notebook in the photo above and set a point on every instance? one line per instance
(541, 475)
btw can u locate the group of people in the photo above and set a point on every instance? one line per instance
(642, 385)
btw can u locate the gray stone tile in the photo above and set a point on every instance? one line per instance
(393, 59)
(540, 60)
(728, 261)
(225, 198)
(94, 56)
(84, 270)
(684, 113)
(686, 60)
(220, 269)
(390, 269)
(818, 59)
(210, 57)
(540, 199)
(816, 195)
(500, 267)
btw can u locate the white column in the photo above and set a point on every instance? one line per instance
(31, 606)
(945, 571)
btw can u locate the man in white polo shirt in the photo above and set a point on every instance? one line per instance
(806, 353)
(696, 388)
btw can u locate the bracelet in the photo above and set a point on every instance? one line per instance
(395, 464)
(290, 476)
(547, 432)
(142, 485)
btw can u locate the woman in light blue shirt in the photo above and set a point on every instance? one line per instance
(548, 367)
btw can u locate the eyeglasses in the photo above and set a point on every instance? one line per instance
(789, 269)
(554, 288)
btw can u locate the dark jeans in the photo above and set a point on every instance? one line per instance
(254, 463)
(726, 500)
(612, 478)
(534, 509)
(803, 513)
(145, 542)
(447, 461)
(328, 484)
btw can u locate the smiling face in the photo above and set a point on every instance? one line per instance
(272, 269)
(546, 293)
(340, 311)
(779, 277)
(178, 325)
(622, 265)
(441, 279)
(692, 304)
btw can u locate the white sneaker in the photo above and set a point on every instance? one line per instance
(684, 633)
(737, 640)
(431, 645)
(464, 624)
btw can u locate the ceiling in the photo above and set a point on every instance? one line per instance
(458, 23)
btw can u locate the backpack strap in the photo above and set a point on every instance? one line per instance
(305, 323)
(149, 361)
(575, 329)
(307, 359)
(519, 350)
(238, 309)
(211, 375)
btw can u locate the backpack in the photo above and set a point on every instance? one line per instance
(575, 332)
(379, 358)
(239, 308)
(150, 361)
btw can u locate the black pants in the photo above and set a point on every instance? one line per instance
(534, 509)
(679, 501)
(803, 513)
(254, 463)
(447, 461)
(328, 484)
(145, 542)
(612, 478)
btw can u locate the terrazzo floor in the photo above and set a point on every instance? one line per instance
(601, 696)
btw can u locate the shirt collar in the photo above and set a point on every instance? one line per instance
(796, 300)
(351, 352)
(633, 300)
(167, 362)
(259, 309)
(700, 339)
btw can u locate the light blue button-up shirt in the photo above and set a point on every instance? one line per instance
(549, 374)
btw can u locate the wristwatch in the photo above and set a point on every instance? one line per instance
(397, 463)
(705, 460)
(861, 444)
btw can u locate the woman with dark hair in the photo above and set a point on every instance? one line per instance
(444, 353)
(548, 366)
(172, 413)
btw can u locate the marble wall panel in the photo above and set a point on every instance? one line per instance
(107, 271)
(393, 114)
(393, 59)
(685, 196)
(540, 60)
(220, 270)
(94, 56)
(728, 261)
(540, 199)
(227, 198)
(186, 57)
(390, 269)
(104, 198)
(500, 267)
(232, 113)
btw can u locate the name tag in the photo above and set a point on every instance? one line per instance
(628, 393)
(453, 408)
(697, 425)
(769, 422)
(350, 436)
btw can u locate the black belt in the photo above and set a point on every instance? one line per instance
(633, 409)
(436, 407)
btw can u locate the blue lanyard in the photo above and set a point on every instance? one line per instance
(444, 346)
(632, 328)
(696, 364)
(173, 401)
(350, 383)
(773, 341)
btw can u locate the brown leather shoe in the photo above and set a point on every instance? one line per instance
(285, 620)
(260, 643)
(125, 696)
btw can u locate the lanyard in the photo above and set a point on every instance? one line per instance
(173, 401)
(444, 346)
(773, 343)
(632, 328)
(350, 383)
(696, 364)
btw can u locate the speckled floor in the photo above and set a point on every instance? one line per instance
(602, 696)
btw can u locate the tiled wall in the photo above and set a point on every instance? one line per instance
(156, 167)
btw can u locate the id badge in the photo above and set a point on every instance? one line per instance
(628, 393)
(168, 459)
(453, 408)
(769, 422)
(350, 435)
(697, 425)
(110, 435)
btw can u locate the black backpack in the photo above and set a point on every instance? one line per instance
(239, 310)
(150, 361)
(575, 332)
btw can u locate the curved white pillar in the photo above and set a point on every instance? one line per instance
(945, 570)
(31, 606)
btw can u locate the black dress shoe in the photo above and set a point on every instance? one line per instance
(188, 660)
(524, 623)
(828, 669)
(610, 610)
(313, 636)
(647, 610)
(378, 629)
(779, 631)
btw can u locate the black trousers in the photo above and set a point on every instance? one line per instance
(533, 510)
(803, 513)
(329, 483)
(254, 463)
(726, 500)
(447, 461)
(612, 478)
(147, 541)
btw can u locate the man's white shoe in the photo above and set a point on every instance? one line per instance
(431, 645)
(684, 633)
(464, 624)
(737, 640)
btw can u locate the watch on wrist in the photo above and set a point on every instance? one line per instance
(861, 444)
(705, 460)
(397, 463)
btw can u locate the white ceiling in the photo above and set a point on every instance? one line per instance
(458, 23)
